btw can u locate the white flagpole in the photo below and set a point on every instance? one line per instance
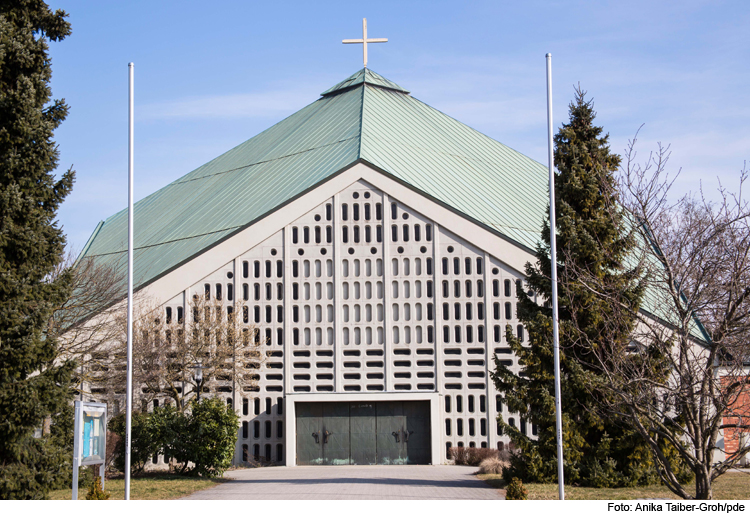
(553, 257)
(129, 388)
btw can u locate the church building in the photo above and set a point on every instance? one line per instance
(378, 245)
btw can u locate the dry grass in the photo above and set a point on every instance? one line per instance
(730, 486)
(152, 486)
(492, 466)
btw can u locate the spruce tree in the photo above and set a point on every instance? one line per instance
(33, 385)
(593, 240)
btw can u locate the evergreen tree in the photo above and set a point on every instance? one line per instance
(593, 241)
(33, 386)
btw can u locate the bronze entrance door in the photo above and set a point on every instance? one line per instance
(363, 433)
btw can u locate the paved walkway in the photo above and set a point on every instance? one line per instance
(352, 482)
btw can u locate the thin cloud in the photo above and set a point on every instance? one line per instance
(232, 106)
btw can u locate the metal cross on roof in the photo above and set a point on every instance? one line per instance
(364, 40)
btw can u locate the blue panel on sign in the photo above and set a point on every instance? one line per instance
(87, 423)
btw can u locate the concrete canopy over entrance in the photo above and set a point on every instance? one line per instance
(325, 418)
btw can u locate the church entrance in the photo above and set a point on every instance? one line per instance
(363, 433)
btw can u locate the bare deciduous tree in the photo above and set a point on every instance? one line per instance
(91, 328)
(167, 347)
(88, 321)
(682, 380)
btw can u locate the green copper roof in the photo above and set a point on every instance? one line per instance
(366, 117)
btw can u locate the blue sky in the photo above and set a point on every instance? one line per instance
(211, 75)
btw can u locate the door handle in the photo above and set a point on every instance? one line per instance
(315, 435)
(407, 434)
(397, 434)
(326, 434)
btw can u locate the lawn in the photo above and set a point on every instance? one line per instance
(727, 487)
(151, 486)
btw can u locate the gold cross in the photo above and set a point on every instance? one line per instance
(364, 40)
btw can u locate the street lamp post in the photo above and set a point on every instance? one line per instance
(198, 377)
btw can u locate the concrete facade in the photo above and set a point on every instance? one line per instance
(364, 290)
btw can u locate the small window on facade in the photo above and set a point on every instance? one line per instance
(207, 289)
(467, 265)
(394, 211)
(456, 265)
(179, 315)
(508, 311)
(268, 269)
(507, 287)
(447, 427)
(448, 404)
(479, 265)
(378, 211)
(459, 427)
(428, 232)
(344, 212)
(519, 332)
(394, 233)
(429, 266)
(345, 235)
(355, 229)
(329, 234)
(295, 235)
(471, 403)
(328, 211)
(355, 212)
(367, 211)
(230, 292)
(256, 429)
(459, 404)
(406, 233)
(280, 406)
(256, 269)
(496, 288)
(306, 235)
(417, 234)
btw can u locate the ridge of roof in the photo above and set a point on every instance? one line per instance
(364, 76)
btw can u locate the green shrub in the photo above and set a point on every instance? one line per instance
(96, 492)
(201, 441)
(516, 490)
(145, 440)
(212, 434)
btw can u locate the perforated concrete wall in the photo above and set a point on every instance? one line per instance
(361, 294)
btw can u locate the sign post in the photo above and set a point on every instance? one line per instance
(90, 439)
